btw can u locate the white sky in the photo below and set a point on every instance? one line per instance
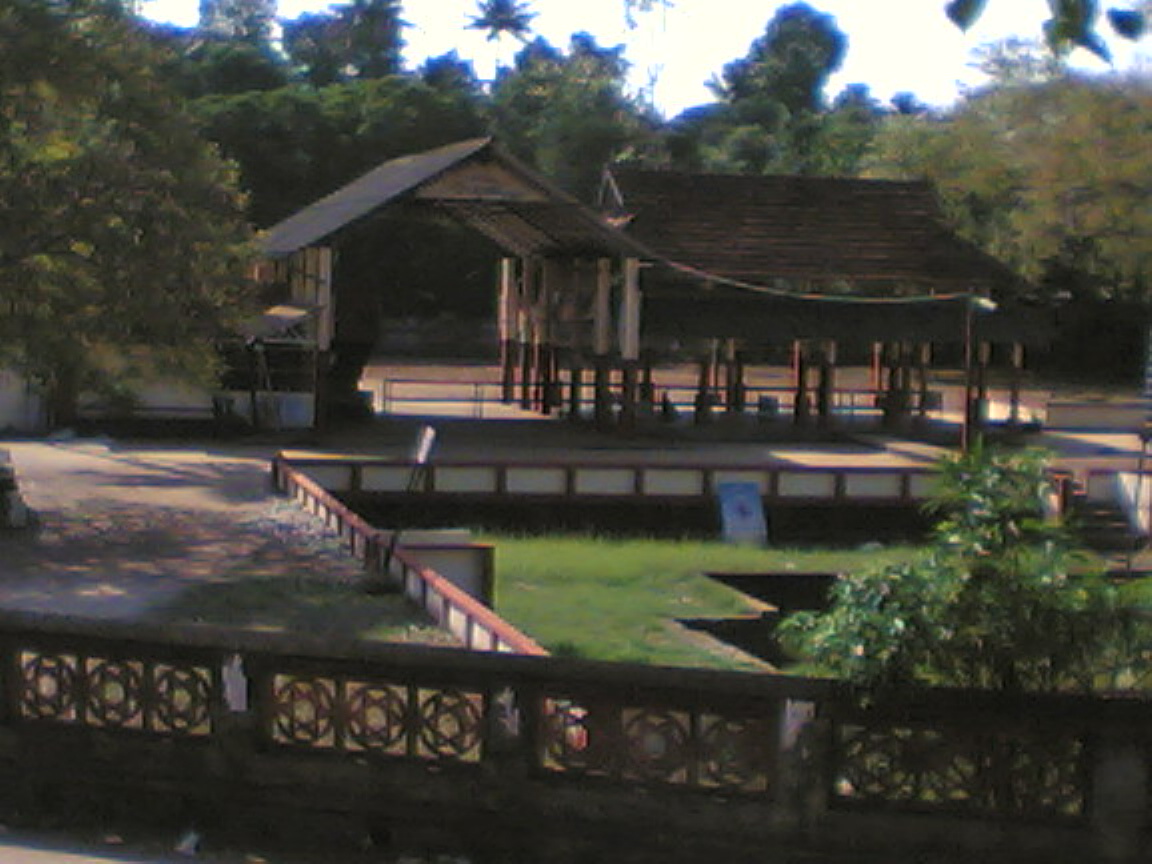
(893, 45)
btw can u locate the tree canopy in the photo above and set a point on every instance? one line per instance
(119, 226)
(1049, 173)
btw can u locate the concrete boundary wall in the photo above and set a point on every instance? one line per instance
(603, 481)
(475, 625)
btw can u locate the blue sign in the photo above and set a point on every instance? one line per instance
(742, 513)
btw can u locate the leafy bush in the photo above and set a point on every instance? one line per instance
(992, 606)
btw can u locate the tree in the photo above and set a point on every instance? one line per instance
(199, 65)
(992, 605)
(239, 20)
(1049, 175)
(297, 144)
(503, 18)
(770, 114)
(120, 229)
(568, 114)
(789, 65)
(357, 40)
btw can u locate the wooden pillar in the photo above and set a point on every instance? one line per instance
(1014, 383)
(647, 384)
(876, 380)
(546, 363)
(602, 344)
(528, 333)
(575, 392)
(526, 371)
(704, 390)
(896, 396)
(923, 358)
(602, 393)
(630, 341)
(508, 315)
(629, 395)
(983, 358)
(826, 386)
(969, 431)
(739, 388)
(801, 406)
(317, 283)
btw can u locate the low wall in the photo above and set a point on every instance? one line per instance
(541, 758)
(1097, 415)
(450, 606)
(568, 480)
(802, 503)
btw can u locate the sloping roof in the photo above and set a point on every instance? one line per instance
(475, 182)
(803, 229)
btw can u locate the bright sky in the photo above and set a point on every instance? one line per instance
(893, 45)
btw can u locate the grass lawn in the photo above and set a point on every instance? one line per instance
(616, 599)
(312, 605)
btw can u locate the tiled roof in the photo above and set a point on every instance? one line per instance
(807, 230)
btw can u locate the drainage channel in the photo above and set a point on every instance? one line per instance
(785, 592)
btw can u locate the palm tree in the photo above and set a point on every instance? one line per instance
(500, 17)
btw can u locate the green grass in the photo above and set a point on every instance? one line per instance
(318, 607)
(620, 599)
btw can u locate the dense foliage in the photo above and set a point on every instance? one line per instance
(119, 226)
(995, 605)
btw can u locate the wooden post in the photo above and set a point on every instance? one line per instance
(629, 395)
(740, 389)
(647, 385)
(923, 358)
(575, 392)
(704, 390)
(602, 344)
(509, 314)
(318, 272)
(801, 406)
(827, 382)
(984, 357)
(1014, 383)
(630, 340)
(602, 393)
(526, 371)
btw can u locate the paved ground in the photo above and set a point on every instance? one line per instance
(183, 534)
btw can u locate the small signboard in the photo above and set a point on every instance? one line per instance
(742, 517)
(424, 441)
